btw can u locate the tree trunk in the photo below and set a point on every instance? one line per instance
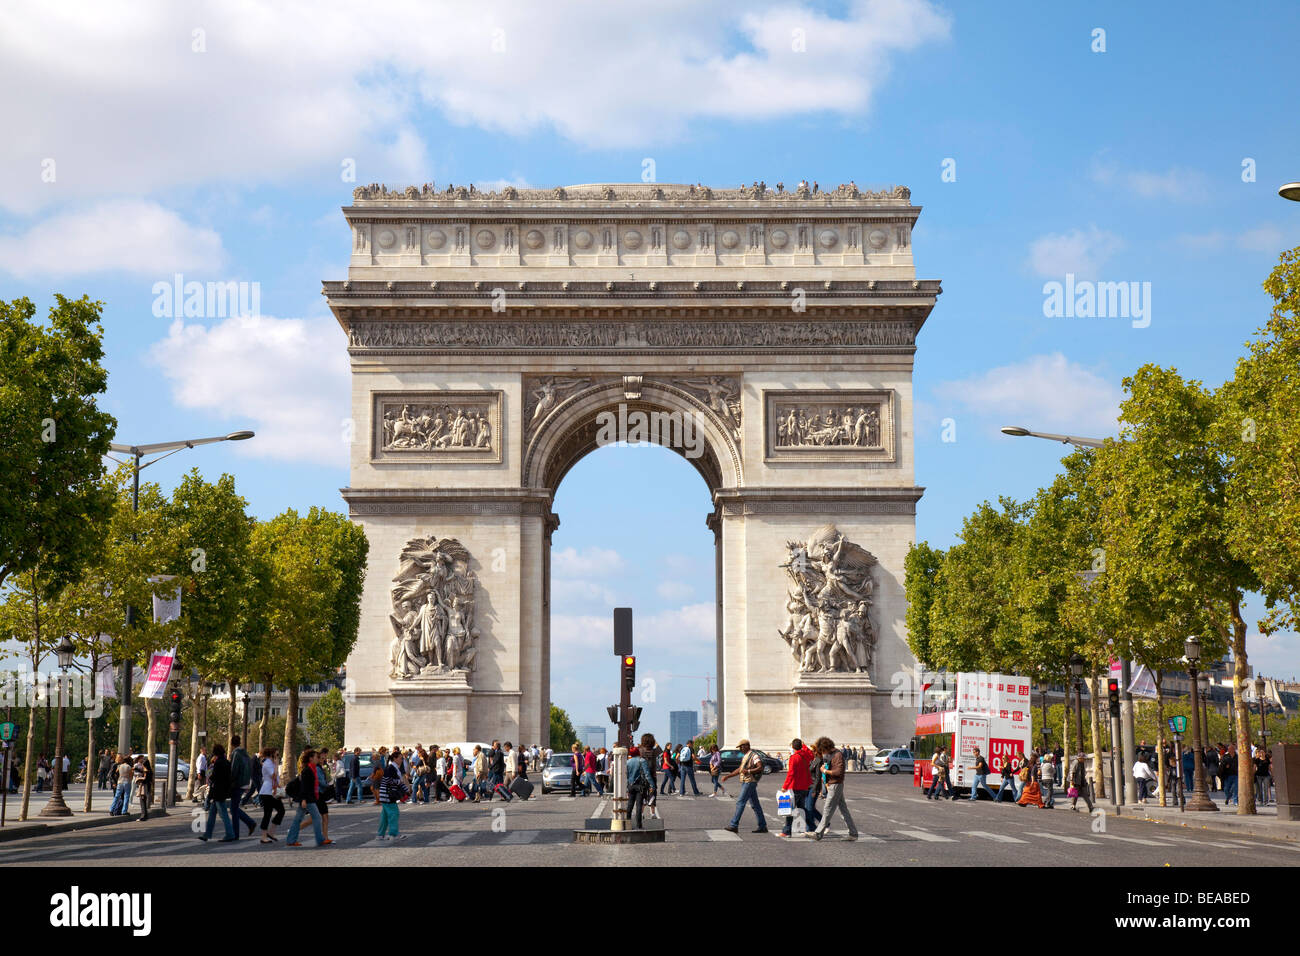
(1245, 768)
(230, 731)
(150, 747)
(92, 760)
(1160, 732)
(289, 760)
(193, 694)
(31, 747)
(266, 712)
(1099, 769)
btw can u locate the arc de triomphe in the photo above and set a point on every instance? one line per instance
(493, 335)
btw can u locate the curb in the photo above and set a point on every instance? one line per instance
(1267, 830)
(28, 829)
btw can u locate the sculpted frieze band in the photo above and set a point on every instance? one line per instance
(367, 334)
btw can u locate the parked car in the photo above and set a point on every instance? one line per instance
(160, 767)
(557, 773)
(731, 760)
(892, 760)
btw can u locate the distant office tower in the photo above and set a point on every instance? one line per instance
(709, 708)
(591, 735)
(683, 725)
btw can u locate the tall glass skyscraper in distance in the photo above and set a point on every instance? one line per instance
(683, 725)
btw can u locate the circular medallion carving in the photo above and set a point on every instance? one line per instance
(730, 239)
(779, 238)
(485, 238)
(632, 239)
(877, 238)
(681, 239)
(533, 239)
(828, 238)
(436, 239)
(582, 239)
(386, 238)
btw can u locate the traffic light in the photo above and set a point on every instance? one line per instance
(629, 672)
(612, 710)
(634, 718)
(1112, 691)
(175, 699)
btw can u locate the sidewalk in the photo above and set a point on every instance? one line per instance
(1263, 824)
(74, 797)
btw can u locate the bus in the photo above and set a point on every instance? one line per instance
(969, 710)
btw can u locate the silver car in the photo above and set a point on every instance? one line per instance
(558, 773)
(892, 760)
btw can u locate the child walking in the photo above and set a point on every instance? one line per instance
(392, 790)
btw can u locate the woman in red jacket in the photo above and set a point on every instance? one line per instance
(798, 779)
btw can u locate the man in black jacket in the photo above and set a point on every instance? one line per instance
(354, 774)
(218, 793)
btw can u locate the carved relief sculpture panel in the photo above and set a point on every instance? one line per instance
(433, 611)
(828, 604)
(830, 425)
(436, 426)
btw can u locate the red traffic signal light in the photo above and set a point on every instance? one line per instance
(629, 671)
(629, 661)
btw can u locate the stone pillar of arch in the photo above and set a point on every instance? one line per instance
(493, 338)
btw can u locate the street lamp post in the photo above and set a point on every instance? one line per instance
(1259, 696)
(1200, 800)
(56, 807)
(1076, 672)
(136, 452)
(1019, 431)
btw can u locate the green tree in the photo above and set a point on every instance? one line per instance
(53, 505)
(920, 569)
(209, 545)
(563, 736)
(1165, 521)
(314, 567)
(969, 621)
(1260, 427)
(325, 720)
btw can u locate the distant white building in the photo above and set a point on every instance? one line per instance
(709, 715)
(591, 735)
(308, 694)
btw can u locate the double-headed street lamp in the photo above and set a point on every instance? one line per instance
(163, 450)
(1290, 191)
(56, 807)
(1199, 799)
(1077, 664)
(1263, 720)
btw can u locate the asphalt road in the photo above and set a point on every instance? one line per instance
(898, 827)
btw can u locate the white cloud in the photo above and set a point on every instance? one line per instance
(674, 590)
(295, 88)
(1178, 183)
(126, 235)
(1079, 252)
(589, 562)
(287, 379)
(1265, 238)
(1043, 392)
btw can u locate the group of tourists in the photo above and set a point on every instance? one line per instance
(1027, 780)
(131, 780)
(1220, 763)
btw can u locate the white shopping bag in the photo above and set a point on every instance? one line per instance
(784, 803)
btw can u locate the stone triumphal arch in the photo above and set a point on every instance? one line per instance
(491, 334)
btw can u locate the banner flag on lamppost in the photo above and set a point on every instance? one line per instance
(165, 609)
(104, 686)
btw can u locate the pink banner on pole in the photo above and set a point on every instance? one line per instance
(160, 672)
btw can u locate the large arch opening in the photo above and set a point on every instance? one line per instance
(635, 533)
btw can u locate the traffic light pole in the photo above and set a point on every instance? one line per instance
(173, 736)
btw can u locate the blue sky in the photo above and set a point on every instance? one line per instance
(210, 139)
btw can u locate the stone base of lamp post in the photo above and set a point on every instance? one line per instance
(1198, 801)
(55, 807)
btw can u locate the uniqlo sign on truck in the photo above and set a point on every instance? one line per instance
(990, 712)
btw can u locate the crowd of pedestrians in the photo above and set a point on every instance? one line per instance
(1031, 780)
(1221, 763)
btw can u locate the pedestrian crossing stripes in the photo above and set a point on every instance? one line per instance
(453, 839)
(1073, 841)
(722, 836)
(520, 836)
(995, 837)
(923, 835)
(1138, 840)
